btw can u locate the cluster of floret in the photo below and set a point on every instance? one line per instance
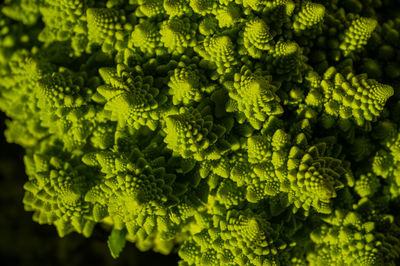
(233, 132)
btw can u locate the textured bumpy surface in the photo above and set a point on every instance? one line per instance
(231, 132)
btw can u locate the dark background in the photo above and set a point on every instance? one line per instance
(27, 243)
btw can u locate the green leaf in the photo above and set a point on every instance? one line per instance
(116, 242)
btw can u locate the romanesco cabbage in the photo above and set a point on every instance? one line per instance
(232, 132)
